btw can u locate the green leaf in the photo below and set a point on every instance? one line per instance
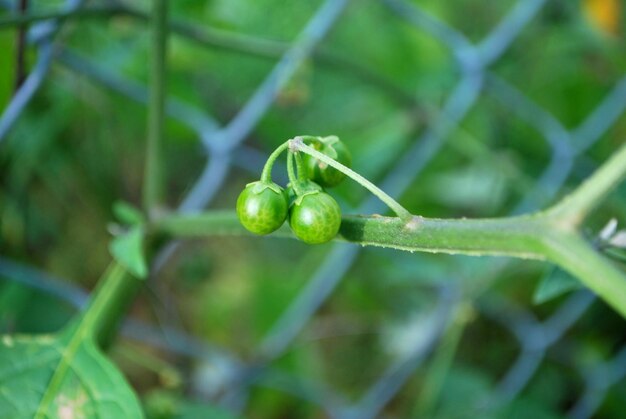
(58, 376)
(127, 214)
(127, 249)
(556, 282)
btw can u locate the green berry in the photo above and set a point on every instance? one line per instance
(319, 171)
(262, 207)
(315, 217)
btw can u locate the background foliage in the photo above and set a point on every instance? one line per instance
(78, 148)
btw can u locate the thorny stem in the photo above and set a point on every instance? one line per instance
(297, 144)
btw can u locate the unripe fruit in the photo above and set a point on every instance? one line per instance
(262, 207)
(315, 217)
(321, 172)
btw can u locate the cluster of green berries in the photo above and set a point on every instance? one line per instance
(314, 216)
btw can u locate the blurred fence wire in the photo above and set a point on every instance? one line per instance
(225, 146)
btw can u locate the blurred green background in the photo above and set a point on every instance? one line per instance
(79, 147)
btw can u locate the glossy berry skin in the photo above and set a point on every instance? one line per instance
(262, 207)
(315, 218)
(322, 173)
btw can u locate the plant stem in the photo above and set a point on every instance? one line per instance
(530, 236)
(205, 224)
(300, 166)
(266, 174)
(515, 236)
(570, 251)
(156, 107)
(573, 209)
(548, 235)
(291, 174)
(114, 292)
(298, 145)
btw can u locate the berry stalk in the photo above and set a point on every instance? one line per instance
(297, 144)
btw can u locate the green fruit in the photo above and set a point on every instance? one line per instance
(262, 207)
(319, 171)
(315, 217)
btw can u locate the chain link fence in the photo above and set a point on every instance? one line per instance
(226, 148)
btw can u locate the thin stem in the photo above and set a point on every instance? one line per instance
(114, 293)
(293, 179)
(298, 145)
(156, 107)
(573, 209)
(266, 174)
(300, 166)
